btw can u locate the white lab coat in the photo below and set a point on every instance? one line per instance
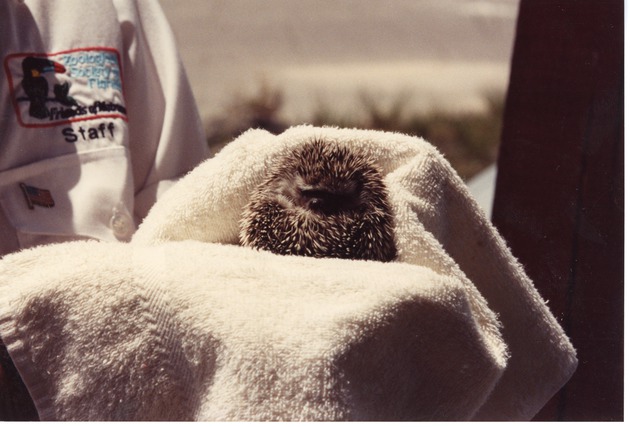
(97, 119)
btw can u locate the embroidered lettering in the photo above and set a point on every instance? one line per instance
(101, 131)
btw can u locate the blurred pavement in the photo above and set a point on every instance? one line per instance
(482, 188)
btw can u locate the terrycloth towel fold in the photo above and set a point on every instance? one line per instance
(191, 330)
(158, 329)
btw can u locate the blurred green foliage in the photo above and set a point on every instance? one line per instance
(468, 140)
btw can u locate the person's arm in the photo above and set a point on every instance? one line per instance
(166, 138)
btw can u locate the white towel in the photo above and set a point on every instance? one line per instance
(199, 331)
(438, 225)
(227, 333)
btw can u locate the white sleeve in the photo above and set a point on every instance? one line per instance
(166, 138)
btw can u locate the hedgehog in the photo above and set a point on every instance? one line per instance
(321, 200)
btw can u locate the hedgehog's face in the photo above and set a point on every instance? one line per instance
(321, 200)
(330, 184)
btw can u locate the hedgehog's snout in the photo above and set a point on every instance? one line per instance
(327, 200)
(321, 200)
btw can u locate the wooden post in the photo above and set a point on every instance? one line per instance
(559, 193)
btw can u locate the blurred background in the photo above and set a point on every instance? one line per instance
(437, 69)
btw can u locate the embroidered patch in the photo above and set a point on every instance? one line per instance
(49, 89)
(37, 196)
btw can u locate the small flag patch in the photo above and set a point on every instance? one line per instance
(37, 196)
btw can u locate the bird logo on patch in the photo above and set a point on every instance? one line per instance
(36, 85)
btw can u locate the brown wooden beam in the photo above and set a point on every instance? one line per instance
(559, 194)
